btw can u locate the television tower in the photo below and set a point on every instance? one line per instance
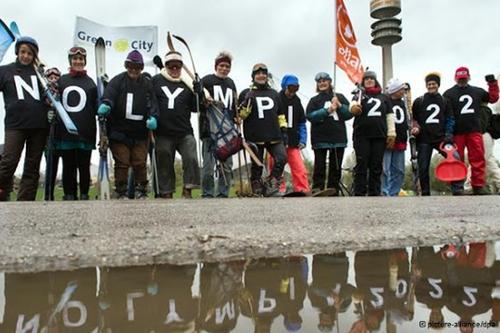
(386, 31)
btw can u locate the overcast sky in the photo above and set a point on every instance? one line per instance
(290, 36)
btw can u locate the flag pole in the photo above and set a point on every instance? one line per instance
(335, 47)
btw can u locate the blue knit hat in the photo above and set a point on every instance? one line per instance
(289, 80)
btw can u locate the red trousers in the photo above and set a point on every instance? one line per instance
(475, 152)
(300, 179)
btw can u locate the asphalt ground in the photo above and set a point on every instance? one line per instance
(36, 236)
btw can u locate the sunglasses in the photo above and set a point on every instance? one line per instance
(136, 67)
(174, 65)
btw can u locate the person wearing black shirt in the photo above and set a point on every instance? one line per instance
(79, 97)
(130, 100)
(221, 88)
(433, 122)
(177, 101)
(373, 131)
(25, 121)
(265, 125)
(327, 113)
(466, 103)
(394, 159)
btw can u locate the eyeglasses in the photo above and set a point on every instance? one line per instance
(77, 50)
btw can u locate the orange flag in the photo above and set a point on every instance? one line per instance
(347, 55)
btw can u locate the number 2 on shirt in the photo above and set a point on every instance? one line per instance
(374, 111)
(466, 109)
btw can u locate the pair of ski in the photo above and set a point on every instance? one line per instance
(101, 81)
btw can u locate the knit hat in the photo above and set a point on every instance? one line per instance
(31, 42)
(462, 73)
(322, 76)
(135, 57)
(394, 85)
(260, 67)
(289, 80)
(370, 74)
(223, 57)
(433, 76)
(173, 56)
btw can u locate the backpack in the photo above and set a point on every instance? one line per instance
(225, 136)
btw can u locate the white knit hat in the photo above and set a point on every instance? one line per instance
(394, 85)
(173, 56)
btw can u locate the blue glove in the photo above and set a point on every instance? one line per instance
(103, 110)
(151, 123)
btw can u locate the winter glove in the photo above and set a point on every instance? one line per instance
(51, 116)
(103, 110)
(284, 136)
(151, 123)
(390, 141)
(356, 109)
(490, 78)
(245, 111)
(198, 91)
(448, 139)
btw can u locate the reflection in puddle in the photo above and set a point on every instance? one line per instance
(401, 290)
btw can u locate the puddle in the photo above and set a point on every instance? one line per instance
(401, 290)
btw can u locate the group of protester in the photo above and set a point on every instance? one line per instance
(136, 104)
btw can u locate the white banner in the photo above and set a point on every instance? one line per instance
(119, 40)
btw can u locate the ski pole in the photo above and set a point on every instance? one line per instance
(50, 163)
(154, 166)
